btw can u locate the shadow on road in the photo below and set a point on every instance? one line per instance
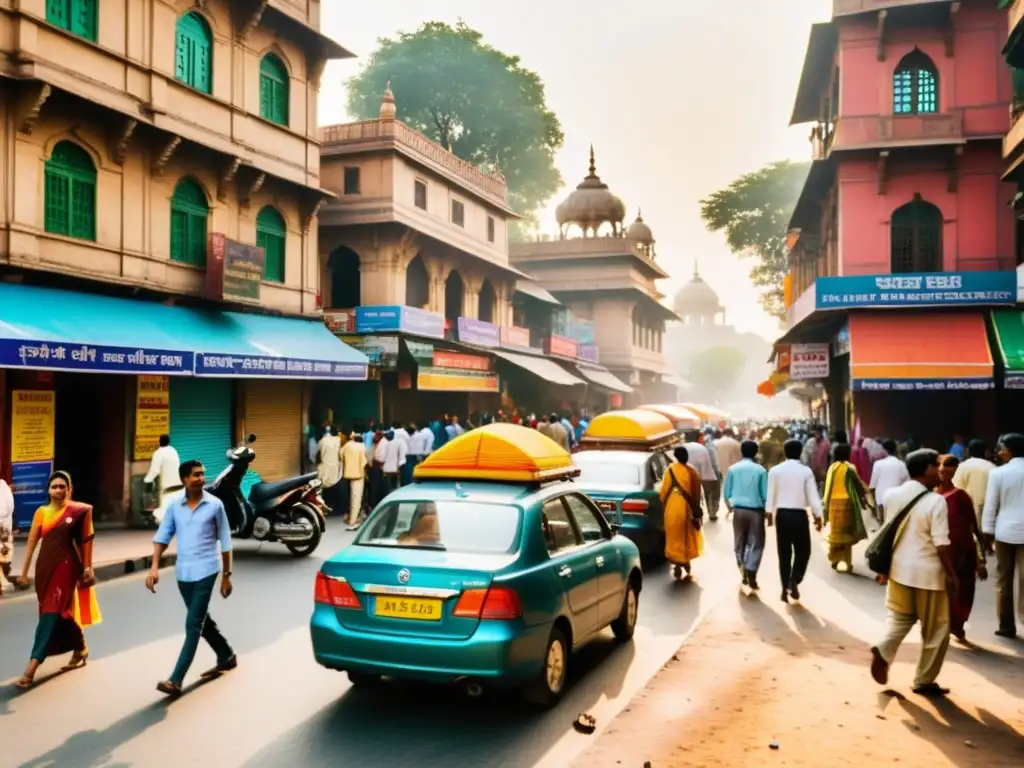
(967, 740)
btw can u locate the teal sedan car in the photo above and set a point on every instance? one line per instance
(476, 582)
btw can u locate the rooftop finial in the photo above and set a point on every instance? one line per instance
(593, 165)
(696, 270)
(388, 111)
(639, 214)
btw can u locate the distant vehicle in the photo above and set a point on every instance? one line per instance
(489, 570)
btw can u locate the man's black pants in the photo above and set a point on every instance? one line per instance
(793, 534)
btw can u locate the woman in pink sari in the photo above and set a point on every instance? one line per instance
(861, 460)
(966, 543)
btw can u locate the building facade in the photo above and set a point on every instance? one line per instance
(903, 237)
(159, 187)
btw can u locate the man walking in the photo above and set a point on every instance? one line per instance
(163, 467)
(791, 491)
(922, 564)
(746, 495)
(354, 465)
(886, 474)
(972, 475)
(700, 460)
(1002, 523)
(204, 548)
(728, 449)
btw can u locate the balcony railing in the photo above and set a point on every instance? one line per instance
(369, 132)
(867, 131)
(853, 7)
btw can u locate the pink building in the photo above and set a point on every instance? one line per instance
(909, 101)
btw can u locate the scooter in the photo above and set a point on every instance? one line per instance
(292, 511)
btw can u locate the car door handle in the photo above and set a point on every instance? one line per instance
(600, 561)
(566, 572)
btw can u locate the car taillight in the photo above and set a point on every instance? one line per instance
(635, 506)
(493, 603)
(335, 592)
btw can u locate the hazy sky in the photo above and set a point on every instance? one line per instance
(678, 98)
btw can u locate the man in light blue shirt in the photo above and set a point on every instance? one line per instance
(204, 546)
(746, 495)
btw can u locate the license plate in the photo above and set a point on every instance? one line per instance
(408, 608)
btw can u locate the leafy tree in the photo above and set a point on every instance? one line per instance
(754, 212)
(477, 101)
(715, 371)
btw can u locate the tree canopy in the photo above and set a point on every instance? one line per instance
(754, 212)
(471, 98)
(715, 371)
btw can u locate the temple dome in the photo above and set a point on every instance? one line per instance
(696, 298)
(591, 204)
(639, 231)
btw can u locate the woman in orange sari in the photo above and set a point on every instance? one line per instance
(64, 580)
(680, 494)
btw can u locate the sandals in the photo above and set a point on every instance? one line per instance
(24, 682)
(224, 666)
(169, 688)
(77, 660)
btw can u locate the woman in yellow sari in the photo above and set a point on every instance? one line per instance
(63, 531)
(844, 500)
(680, 491)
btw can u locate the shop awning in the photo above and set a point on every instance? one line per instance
(603, 378)
(48, 329)
(1009, 327)
(533, 290)
(546, 369)
(917, 352)
(677, 381)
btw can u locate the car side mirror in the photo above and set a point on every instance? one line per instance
(615, 528)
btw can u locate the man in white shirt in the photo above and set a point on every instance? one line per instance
(164, 468)
(1002, 523)
(792, 490)
(972, 475)
(700, 460)
(922, 568)
(394, 460)
(886, 474)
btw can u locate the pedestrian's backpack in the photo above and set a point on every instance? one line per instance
(879, 552)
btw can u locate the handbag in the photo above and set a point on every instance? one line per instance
(880, 550)
(695, 514)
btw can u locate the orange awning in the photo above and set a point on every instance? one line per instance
(894, 351)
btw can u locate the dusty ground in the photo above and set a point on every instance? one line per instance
(758, 672)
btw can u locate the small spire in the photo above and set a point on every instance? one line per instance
(639, 214)
(593, 164)
(696, 270)
(388, 111)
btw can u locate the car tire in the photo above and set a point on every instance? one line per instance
(363, 679)
(547, 690)
(625, 625)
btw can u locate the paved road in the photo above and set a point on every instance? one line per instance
(280, 708)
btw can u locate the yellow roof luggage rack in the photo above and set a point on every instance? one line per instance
(630, 430)
(681, 418)
(500, 452)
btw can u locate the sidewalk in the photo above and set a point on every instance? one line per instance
(759, 673)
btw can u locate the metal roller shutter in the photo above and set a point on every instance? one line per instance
(273, 412)
(202, 421)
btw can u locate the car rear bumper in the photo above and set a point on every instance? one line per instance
(498, 651)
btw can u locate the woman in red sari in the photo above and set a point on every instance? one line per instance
(63, 531)
(966, 543)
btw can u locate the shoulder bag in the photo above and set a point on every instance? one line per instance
(880, 550)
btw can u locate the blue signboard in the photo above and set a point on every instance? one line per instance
(253, 366)
(61, 356)
(921, 385)
(938, 289)
(29, 479)
(399, 319)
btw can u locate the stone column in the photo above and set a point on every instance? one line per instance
(471, 285)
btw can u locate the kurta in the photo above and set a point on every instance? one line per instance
(684, 541)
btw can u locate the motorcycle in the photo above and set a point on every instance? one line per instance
(292, 511)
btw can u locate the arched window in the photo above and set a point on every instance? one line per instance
(915, 85)
(916, 238)
(271, 236)
(193, 56)
(417, 283)
(345, 279)
(76, 16)
(274, 90)
(70, 192)
(189, 213)
(485, 302)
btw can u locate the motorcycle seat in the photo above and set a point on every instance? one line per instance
(267, 491)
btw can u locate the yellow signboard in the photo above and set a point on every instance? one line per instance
(152, 414)
(32, 425)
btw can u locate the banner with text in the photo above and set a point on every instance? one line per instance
(152, 415)
(33, 423)
(809, 361)
(916, 290)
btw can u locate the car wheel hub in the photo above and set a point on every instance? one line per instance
(631, 603)
(556, 667)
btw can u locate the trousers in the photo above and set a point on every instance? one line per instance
(907, 606)
(355, 499)
(1009, 569)
(199, 624)
(793, 536)
(748, 536)
(712, 496)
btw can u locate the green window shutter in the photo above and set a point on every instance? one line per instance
(56, 193)
(83, 209)
(194, 52)
(189, 216)
(274, 91)
(57, 13)
(70, 192)
(272, 236)
(84, 19)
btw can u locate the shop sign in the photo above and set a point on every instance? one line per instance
(59, 356)
(33, 423)
(916, 290)
(561, 346)
(478, 332)
(422, 354)
(921, 385)
(382, 351)
(842, 342)
(515, 337)
(460, 362)
(783, 358)
(234, 271)
(589, 352)
(808, 361)
(341, 321)
(399, 319)
(152, 414)
(441, 380)
(253, 366)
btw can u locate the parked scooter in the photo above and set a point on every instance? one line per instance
(292, 512)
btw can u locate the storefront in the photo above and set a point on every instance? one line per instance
(92, 382)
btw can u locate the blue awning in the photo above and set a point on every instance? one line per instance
(47, 329)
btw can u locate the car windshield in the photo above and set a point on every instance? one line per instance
(607, 472)
(453, 526)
